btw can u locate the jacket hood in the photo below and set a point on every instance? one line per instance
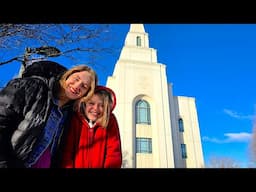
(46, 69)
(112, 93)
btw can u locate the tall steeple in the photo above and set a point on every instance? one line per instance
(137, 37)
(137, 28)
(140, 83)
(136, 46)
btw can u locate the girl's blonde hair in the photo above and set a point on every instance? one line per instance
(80, 68)
(107, 106)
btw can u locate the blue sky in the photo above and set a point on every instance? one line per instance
(215, 63)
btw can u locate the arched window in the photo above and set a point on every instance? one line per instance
(142, 111)
(138, 41)
(181, 126)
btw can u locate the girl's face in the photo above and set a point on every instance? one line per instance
(94, 108)
(77, 85)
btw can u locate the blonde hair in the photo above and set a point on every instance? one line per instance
(107, 106)
(79, 68)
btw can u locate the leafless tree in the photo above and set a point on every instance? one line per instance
(83, 39)
(222, 162)
(252, 146)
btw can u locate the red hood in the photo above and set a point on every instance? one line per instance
(99, 87)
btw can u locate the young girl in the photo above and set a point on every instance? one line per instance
(93, 140)
(34, 110)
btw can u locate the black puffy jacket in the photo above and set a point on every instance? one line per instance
(25, 104)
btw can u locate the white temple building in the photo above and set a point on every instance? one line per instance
(158, 129)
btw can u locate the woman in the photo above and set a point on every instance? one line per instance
(93, 140)
(34, 110)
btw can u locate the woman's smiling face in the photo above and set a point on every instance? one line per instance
(77, 85)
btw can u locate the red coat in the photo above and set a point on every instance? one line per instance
(97, 147)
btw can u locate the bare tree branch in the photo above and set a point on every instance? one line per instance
(252, 146)
(70, 38)
(222, 162)
(10, 60)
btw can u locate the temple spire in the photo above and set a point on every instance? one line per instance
(137, 28)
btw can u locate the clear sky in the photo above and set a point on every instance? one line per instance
(216, 64)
